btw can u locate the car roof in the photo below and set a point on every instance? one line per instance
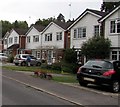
(106, 60)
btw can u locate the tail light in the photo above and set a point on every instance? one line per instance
(109, 73)
(79, 70)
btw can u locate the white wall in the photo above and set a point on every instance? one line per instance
(113, 37)
(88, 21)
(13, 34)
(33, 45)
(53, 29)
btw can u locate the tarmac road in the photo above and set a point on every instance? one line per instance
(79, 96)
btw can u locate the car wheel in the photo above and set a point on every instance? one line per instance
(38, 64)
(115, 86)
(23, 64)
(83, 83)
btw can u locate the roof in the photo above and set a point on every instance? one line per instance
(94, 12)
(20, 31)
(40, 28)
(63, 25)
(14, 46)
(109, 13)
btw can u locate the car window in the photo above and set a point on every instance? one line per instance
(32, 57)
(24, 56)
(99, 64)
(116, 65)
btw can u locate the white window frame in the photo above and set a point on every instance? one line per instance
(96, 30)
(36, 38)
(48, 37)
(15, 39)
(10, 40)
(114, 26)
(80, 33)
(28, 39)
(58, 36)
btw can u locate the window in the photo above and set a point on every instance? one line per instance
(96, 30)
(15, 39)
(36, 38)
(48, 37)
(5, 41)
(75, 33)
(59, 36)
(115, 26)
(80, 32)
(11, 40)
(28, 39)
(114, 55)
(119, 55)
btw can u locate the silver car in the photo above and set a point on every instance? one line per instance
(3, 57)
(21, 59)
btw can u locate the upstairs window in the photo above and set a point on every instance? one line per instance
(115, 26)
(10, 40)
(80, 32)
(96, 30)
(15, 39)
(5, 41)
(28, 39)
(59, 36)
(48, 37)
(36, 38)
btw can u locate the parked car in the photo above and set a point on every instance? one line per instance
(100, 72)
(3, 57)
(21, 59)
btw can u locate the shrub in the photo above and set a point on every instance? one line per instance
(10, 59)
(56, 66)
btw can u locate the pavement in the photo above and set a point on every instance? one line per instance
(69, 92)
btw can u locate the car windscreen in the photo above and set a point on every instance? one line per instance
(99, 64)
(24, 56)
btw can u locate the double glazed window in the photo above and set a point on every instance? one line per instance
(115, 55)
(80, 32)
(36, 38)
(96, 30)
(115, 26)
(11, 40)
(59, 36)
(48, 37)
(15, 39)
(28, 39)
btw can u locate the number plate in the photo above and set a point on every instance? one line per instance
(89, 79)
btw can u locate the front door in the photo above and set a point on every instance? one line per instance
(49, 57)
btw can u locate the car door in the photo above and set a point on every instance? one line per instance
(33, 60)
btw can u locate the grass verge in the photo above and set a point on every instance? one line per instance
(64, 77)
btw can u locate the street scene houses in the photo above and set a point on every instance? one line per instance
(14, 41)
(49, 42)
(111, 24)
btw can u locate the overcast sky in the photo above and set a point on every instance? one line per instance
(32, 10)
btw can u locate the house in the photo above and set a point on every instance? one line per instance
(85, 26)
(15, 41)
(111, 24)
(55, 38)
(1, 45)
(5, 42)
(34, 41)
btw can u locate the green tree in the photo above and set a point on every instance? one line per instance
(20, 24)
(44, 22)
(70, 56)
(6, 26)
(107, 6)
(96, 47)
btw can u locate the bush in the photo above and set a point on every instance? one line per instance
(56, 66)
(70, 67)
(10, 59)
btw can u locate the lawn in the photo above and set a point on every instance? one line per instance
(64, 77)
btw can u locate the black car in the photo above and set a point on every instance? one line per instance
(100, 72)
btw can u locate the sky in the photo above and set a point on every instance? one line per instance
(32, 10)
